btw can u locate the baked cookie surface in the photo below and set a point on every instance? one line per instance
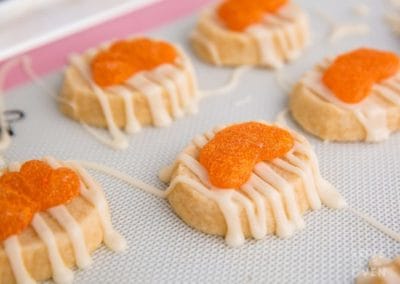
(127, 85)
(316, 108)
(58, 238)
(381, 271)
(270, 41)
(272, 201)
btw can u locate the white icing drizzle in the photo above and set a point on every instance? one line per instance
(168, 78)
(12, 249)
(121, 176)
(118, 141)
(132, 124)
(382, 270)
(159, 76)
(340, 31)
(371, 114)
(185, 84)
(61, 273)
(264, 182)
(187, 64)
(289, 26)
(300, 168)
(268, 52)
(72, 228)
(233, 81)
(92, 192)
(343, 30)
(154, 95)
(374, 223)
(209, 45)
(166, 172)
(28, 69)
(75, 234)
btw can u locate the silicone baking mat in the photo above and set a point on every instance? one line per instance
(335, 245)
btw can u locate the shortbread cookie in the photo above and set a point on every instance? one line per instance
(129, 84)
(262, 33)
(355, 97)
(55, 216)
(248, 180)
(381, 271)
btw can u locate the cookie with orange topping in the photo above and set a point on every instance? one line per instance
(247, 180)
(129, 83)
(353, 97)
(52, 217)
(262, 33)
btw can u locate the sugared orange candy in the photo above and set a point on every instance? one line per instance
(16, 212)
(109, 68)
(125, 58)
(237, 15)
(351, 76)
(63, 186)
(232, 154)
(49, 187)
(36, 187)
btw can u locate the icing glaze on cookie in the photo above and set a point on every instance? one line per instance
(175, 77)
(279, 36)
(281, 28)
(351, 76)
(264, 182)
(371, 111)
(92, 193)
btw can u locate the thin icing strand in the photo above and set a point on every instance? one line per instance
(230, 85)
(91, 191)
(122, 176)
(12, 247)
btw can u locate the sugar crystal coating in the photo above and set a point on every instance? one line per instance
(351, 76)
(125, 58)
(36, 187)
(231, 155)
(16, 212)
(238, 15)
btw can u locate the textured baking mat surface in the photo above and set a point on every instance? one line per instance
(335, 245)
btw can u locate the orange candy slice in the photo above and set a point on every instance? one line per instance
(109, 69)
(123, 59)
(237, 15)
(16, 212)
(352, 75)
(49, 187)
(36, 187)
(231, 155)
